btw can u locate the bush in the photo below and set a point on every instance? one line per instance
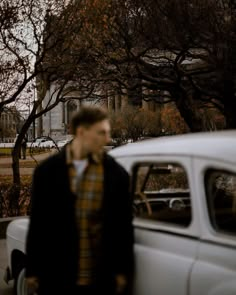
(9, 205)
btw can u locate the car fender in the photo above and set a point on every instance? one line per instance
(226, 288)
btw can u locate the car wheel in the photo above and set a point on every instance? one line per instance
(21, 288)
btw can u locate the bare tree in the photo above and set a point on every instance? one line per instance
(37, 44)
(184, 50)
(191, 54)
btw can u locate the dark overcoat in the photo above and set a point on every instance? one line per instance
(52, 240)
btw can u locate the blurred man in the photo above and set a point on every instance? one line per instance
(80, 238)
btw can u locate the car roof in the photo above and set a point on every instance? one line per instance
(217, 144)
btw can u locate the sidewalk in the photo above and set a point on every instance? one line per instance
(38, 157)
(4, 288)
(24, 171)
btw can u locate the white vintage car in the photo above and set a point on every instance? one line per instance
(184, 192)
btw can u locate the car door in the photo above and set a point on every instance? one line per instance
(166, 232)
(214, 271)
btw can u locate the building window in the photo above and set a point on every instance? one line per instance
(71, 109)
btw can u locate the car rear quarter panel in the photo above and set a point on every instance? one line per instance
(214, 271)
(16, 236)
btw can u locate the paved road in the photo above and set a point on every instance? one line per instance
(4, 288)
(23, 171)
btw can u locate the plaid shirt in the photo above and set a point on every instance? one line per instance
(89, 190)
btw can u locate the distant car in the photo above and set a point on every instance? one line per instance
(37, 142)
(62, 143)
(42, 142)
(47, 144)
(184, 199)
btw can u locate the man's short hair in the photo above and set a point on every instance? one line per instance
(88, 116)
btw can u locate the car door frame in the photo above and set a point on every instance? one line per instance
(168, 250)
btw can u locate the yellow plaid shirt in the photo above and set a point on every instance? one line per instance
(89, 190)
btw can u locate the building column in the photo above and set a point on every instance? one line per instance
(111, 104)
(40, 122)
(124, 99)
(145, 103)
(117, 102)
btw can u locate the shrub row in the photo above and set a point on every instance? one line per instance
(10, 204)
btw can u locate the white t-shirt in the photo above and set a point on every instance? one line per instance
(80, 166)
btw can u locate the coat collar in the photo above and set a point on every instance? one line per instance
(93, 158)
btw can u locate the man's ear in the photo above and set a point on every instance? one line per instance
(79, 131)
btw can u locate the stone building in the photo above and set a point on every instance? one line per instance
(10, 123)
(55, 123)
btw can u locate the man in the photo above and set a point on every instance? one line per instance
(80, 238)
(23, 147)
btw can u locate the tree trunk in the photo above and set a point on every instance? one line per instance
(229, 104)
(230, 115)
(15, 193)
(15, 163)
(188, 110)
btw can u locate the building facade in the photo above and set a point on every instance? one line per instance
(10, 123)
(55, 123)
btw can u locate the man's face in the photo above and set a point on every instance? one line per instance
(95, 137)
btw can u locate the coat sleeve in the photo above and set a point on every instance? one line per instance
(124, 226)
(38, 217)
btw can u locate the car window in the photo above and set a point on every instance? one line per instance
(221, 198)
(161, 193)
